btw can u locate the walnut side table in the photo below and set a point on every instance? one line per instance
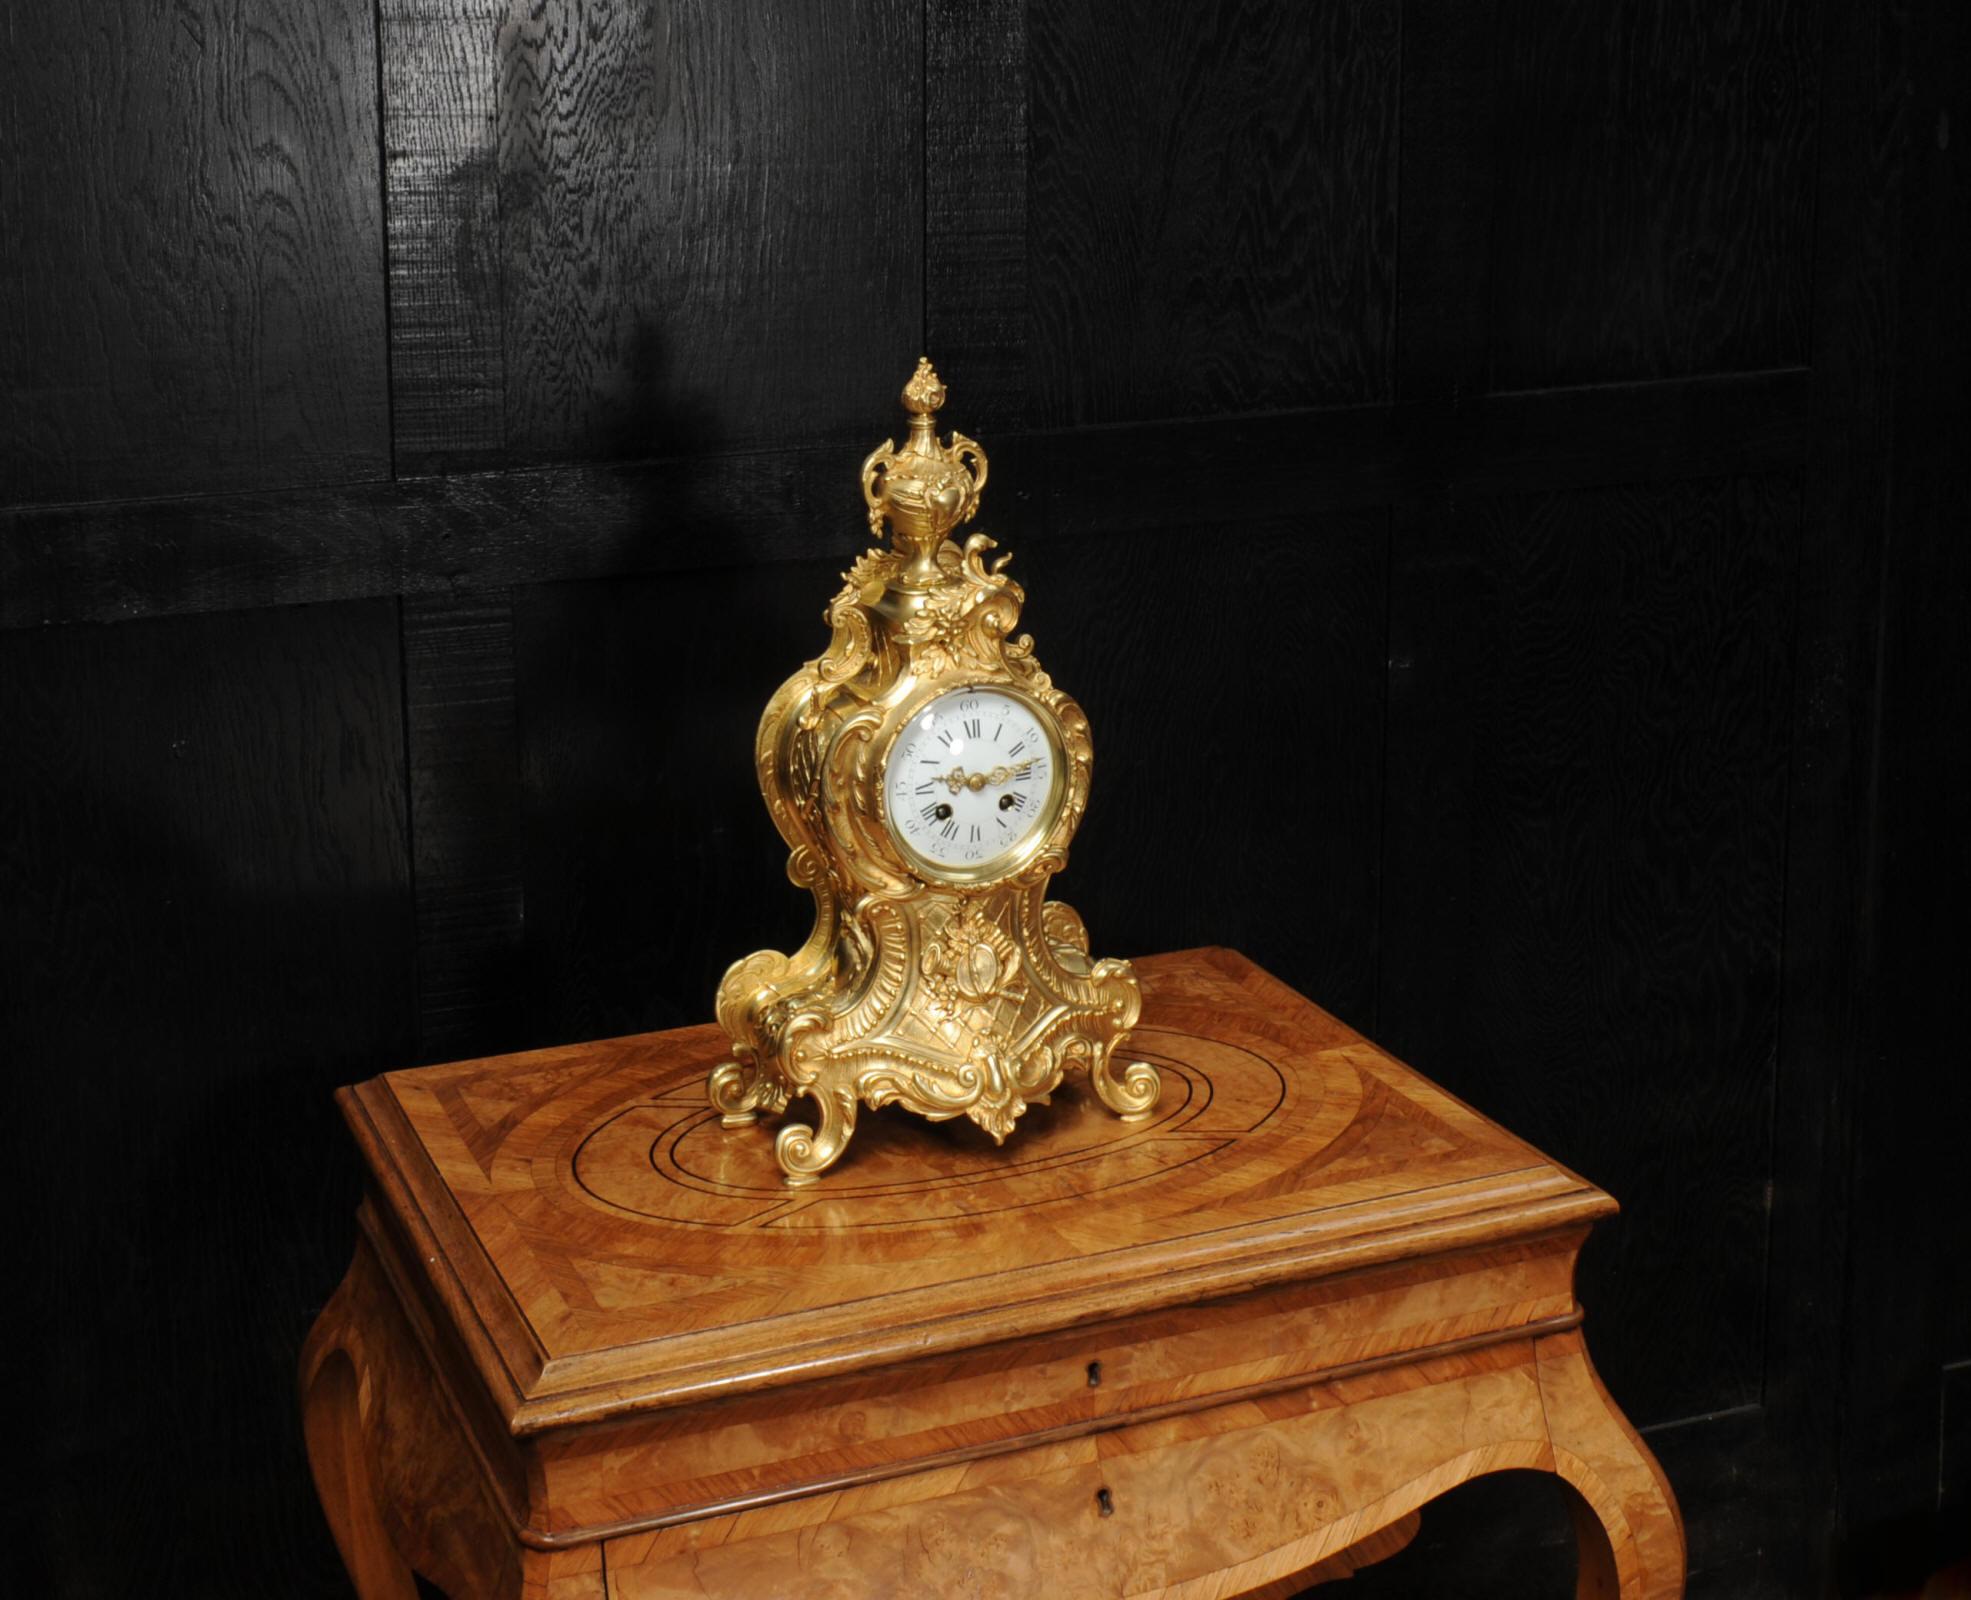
(590, 1345)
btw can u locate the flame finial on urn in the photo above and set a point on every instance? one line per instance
(924, 393)
(926, 489)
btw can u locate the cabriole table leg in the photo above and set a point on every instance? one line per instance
(1630, 1533)
(401, 1492)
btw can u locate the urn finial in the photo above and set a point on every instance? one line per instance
(926, 489)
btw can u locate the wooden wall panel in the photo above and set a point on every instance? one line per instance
(1653, 188)
(1212, 222)
(483, 530)
(1831, 786)
(1904, 1324)
(1583, 851)
(190, 249)
(711, 221)
(463, 770)
(439, 103)
(650, 863)
(975, 205)
(204, 909)
(1450, 105)
(1234, 680)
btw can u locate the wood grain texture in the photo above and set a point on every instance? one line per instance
(182, 194)
(1653, 198)
(708, 239)
(381, 1438)
(204, 908)
(1201, 1508)
(1630, 1534)
(424, 536)
(462, 751)
(679, 1467)
(192, 239)
(1723, 1467)
(105, 563)
(440, 118)
(488, 1152)
(1213, 208)
(1376, 1548)
(1511, 1535)
(1583, 855)
(400, 1482)
(1214, 1352)
(1124, 621)
(975, 204)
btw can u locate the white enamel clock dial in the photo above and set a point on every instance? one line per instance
(972, 779)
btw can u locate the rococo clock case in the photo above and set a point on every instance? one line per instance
(951, 986)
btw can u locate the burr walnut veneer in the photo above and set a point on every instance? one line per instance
(590, 1344)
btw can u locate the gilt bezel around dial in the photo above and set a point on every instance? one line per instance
(1031, 843)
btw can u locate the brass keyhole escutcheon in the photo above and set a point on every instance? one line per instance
(1094, 1374)
(1106, 1502)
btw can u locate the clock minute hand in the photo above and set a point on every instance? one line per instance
(957, 778)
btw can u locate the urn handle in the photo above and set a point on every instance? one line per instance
(926, 489)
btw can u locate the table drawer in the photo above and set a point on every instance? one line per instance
(698, 1461)
(1231, 1499)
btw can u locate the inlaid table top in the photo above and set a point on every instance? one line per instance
(605, 1246)
(592, 1347)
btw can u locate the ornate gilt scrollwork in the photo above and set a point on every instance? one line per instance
(948, 997)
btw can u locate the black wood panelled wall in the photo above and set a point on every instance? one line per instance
(1513, 449)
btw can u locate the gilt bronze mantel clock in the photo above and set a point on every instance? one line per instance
(927, 776)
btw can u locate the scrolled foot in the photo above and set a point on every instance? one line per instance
(1131, 1093)
(805, 1153)
(739, 1091)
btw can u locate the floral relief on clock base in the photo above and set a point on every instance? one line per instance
(975, 1006)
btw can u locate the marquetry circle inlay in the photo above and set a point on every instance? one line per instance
(667, 1158)
(612, 1211)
